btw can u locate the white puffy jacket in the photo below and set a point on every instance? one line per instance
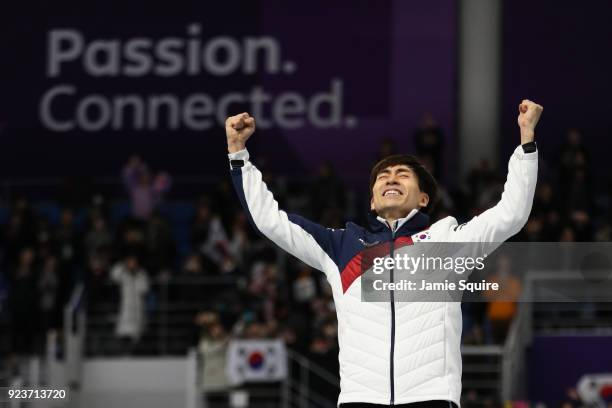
(390, 352)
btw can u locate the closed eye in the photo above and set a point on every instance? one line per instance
(404, 173)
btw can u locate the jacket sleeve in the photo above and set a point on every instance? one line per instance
(312, 243)
(510, 214)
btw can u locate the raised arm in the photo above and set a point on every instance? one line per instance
(510, 214)
(311, 243)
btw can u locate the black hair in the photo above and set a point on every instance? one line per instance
(427, 183)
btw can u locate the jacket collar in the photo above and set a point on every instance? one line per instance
(411, 224)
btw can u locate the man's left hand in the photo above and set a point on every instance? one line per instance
(529, 115)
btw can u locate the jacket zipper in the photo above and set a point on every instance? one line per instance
(392, 352)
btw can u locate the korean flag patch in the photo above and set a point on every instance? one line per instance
(421, 236)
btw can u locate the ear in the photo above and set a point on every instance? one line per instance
(423, 200)
(372, 204)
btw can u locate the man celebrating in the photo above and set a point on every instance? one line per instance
(402, 354)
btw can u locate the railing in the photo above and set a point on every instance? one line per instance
(29, 376)
(482, 370)
(74, 335)
(521, 331)
(34, 372)
(519, 336)
(298, 392)
(170, 319)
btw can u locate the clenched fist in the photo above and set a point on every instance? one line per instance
(238, 129)
(529, 115)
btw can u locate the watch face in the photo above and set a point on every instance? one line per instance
(236, 163)
(529, 147)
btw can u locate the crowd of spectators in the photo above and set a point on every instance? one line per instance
(280, 296)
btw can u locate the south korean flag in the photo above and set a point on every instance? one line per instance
(256, 361)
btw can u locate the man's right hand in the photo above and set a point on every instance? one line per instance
(238, 130)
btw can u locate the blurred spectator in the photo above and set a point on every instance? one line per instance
(134, 284)
(502, 303)
(160, 245)
(533, 230)
(96, 279)
(572, 398)
(4, 289)
(604, 233)
(45, 244)
(429, 143)
(544, 201)
(480, 177)
(576, 186)
(49, 295)
(567, 234)
(191, 293)
(263, 291)
(469, 399)
(20, 230)
(209, 238)
(212, 348)
(146, 192)
(21, 207)
(304, 286)
(486, 189)
(132, 239)
(98, 239)
(333, 218)
(224, 192)
(327, 192)
(581, 224)
(240, 245)
(572, 155)
(321, 311)
(474, 314)
(324, 352)
(546, 209)
(192, 266)
(68, 241)
(22, 303)
(445, 204)
(387, 147)
(577, 191)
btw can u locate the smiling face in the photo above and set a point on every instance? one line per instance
(396, 192)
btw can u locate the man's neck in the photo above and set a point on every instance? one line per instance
(390, 218)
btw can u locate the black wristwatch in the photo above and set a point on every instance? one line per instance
(236, 164)
(530, 147)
